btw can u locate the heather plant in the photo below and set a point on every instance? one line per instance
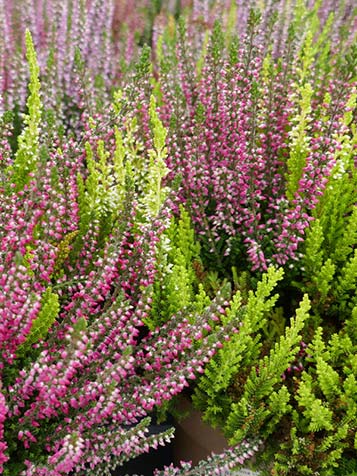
(324, 417)
(58, 29)
(28, 142)
(247, 139)
(212, 392)
(177, 285)
(298, 397)
(81, 373)
(226, 154)
(328, 271)
(247, 414)
(84, 50)
(262, 134)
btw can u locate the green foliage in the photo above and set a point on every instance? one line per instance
(64, 249)
(311, 412)
(217, 42)
(231, 23)
(233, 51)
(177, 286)
(155, 193)
(324, 414)
(100, 194)
(78, 328)
(347, 467)
(119, 164)
(313, 41)
(166, 49)
(346, 286)
(240, 353)
(158, 129)
(318, 270)
(100, 181)
(299, 136)
(110, 177)
(143, 65)
(313, 257)
(250, 413)
(42, 323)
(322, 46)
(328, 258)
(27, 154)
(349, 65)
(319, 416)
(201, 60)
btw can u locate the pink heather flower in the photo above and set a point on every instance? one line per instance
(230, 144)
(3, 444)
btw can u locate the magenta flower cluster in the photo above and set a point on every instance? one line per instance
(80, 370)
(236, 130)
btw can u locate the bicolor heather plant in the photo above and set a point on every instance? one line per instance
(84, 49)
(262, 134)
(306, 412)
(234, 16)
(110, 303)
(246, 134)
(80, 371)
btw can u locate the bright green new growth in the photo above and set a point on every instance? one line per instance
(119, 157)
(231, 23)
(158, 129)
(217, 42)
(111, 177)
(311, 46)
(315, 49)
(239, 352)
(176, 286)
(324, 415)
(201, 60)
(130, 163)
(95, 206)
(46, 317)
(312, 56)
(249, 414)
(27, 154)
(63, 251)
(320, 417)
(101, 195)
(314, 255)
(322, 46)
(338, 203)
(347, 284)
(319, 270)
(300, 140)
(155, 193)
(329, 263)
(326, 407)
(103, 191)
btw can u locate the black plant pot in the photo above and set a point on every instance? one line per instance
(144, 465)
